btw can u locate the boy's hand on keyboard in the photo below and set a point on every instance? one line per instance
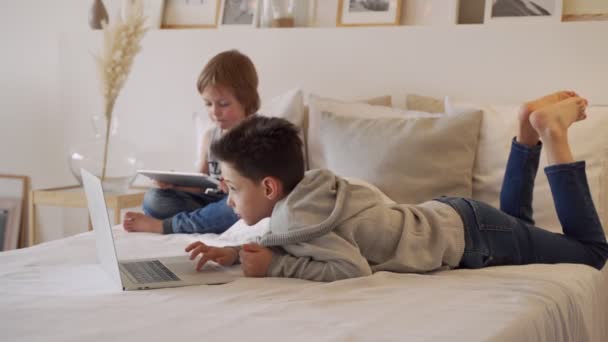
(224, 256)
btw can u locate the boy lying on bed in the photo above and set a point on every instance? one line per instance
(323, 228)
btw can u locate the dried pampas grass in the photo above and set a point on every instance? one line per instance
(121, 44)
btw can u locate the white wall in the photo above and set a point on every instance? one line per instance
(48, 86)
(32, 117)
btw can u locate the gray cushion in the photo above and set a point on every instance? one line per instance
(411, 159)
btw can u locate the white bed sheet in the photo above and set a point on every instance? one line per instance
(56, 292)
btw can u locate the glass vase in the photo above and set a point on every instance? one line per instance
(121, 157)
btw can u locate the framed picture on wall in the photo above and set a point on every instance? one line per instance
(239, 13)
(191, 13)
(368, 12)
(430, 12)
(498, 11)
(585, 10)
(13, 197)
(152, 10)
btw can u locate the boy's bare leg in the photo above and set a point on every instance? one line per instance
(138, 222)
(527, 134)
(551, 123)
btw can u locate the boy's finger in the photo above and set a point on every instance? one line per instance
(196, 251)
(210, 255)
(194, 254)
(206, 257)
(194, 245)
(202, 262)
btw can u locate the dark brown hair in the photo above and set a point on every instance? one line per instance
(259, 147)
(235, 71)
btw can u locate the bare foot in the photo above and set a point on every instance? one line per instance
(556, 118)
(138, 222)
(551, 123)
(527, 134)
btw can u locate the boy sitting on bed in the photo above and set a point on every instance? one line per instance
(323, 228)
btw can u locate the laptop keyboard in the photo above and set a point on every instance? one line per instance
(149, 272)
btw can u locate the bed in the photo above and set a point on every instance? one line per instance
(56, 291)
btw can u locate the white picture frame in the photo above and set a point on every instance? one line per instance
(528, 11)
(361, 13)
(239, 13)
(184, 14)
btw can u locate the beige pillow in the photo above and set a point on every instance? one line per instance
(376, 101)
(379, 101)
(379, 106)
(410, 159)
(424, 103)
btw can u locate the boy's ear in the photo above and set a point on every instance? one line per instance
(273, 188)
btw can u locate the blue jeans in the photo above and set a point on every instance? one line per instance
(509, 237)
(185, 212)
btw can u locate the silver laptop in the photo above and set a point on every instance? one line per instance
(144, 274)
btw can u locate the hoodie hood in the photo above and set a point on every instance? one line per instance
(313, 208)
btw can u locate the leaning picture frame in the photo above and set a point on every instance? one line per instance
(368, 12)
(522, 11)
(185, 14)
(239, 13)
(13, 204)
(10, 223)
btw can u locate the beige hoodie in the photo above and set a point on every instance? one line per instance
(328, 229)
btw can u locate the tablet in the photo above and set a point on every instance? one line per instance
(189, 179)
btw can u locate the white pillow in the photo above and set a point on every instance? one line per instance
(589, 142)
(412, 158)
(289, 105)
(318, 105)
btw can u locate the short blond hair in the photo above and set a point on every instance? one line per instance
(235, 71)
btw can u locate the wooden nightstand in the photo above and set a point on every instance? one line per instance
(74, 197)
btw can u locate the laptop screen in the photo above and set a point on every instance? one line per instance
(104, 241)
